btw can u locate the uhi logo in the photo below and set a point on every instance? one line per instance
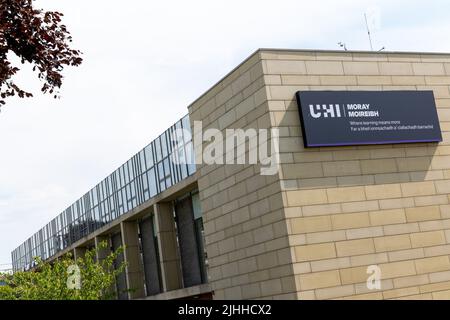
(325, 110)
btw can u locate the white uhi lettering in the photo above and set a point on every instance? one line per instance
(324, 110)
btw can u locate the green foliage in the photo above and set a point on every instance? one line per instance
(66, 279)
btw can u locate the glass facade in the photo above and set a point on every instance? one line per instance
(164, 162)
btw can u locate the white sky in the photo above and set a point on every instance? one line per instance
(144, 62)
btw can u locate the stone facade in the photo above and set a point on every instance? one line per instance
(311, 231)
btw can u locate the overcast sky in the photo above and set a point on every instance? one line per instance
(144, 63)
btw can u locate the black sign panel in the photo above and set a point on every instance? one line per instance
(342, 118)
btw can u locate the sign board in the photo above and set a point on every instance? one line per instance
(343, 118)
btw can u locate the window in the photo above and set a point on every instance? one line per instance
(158, 149)
(131, 169)
(149, 156)
(150, 256)
(164, 145)
(122, 177)
(142, 160)
(190, 239)
(145, 187)
(152, 183)
(125, 173)
(186, 123)
(190, 158)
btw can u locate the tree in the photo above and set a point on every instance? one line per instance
(66, 279)
(37, 37)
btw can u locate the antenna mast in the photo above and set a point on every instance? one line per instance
(368, 32)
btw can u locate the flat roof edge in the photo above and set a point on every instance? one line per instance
(354, 51)
(310, 51)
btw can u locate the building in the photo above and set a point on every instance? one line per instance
(315, 228)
